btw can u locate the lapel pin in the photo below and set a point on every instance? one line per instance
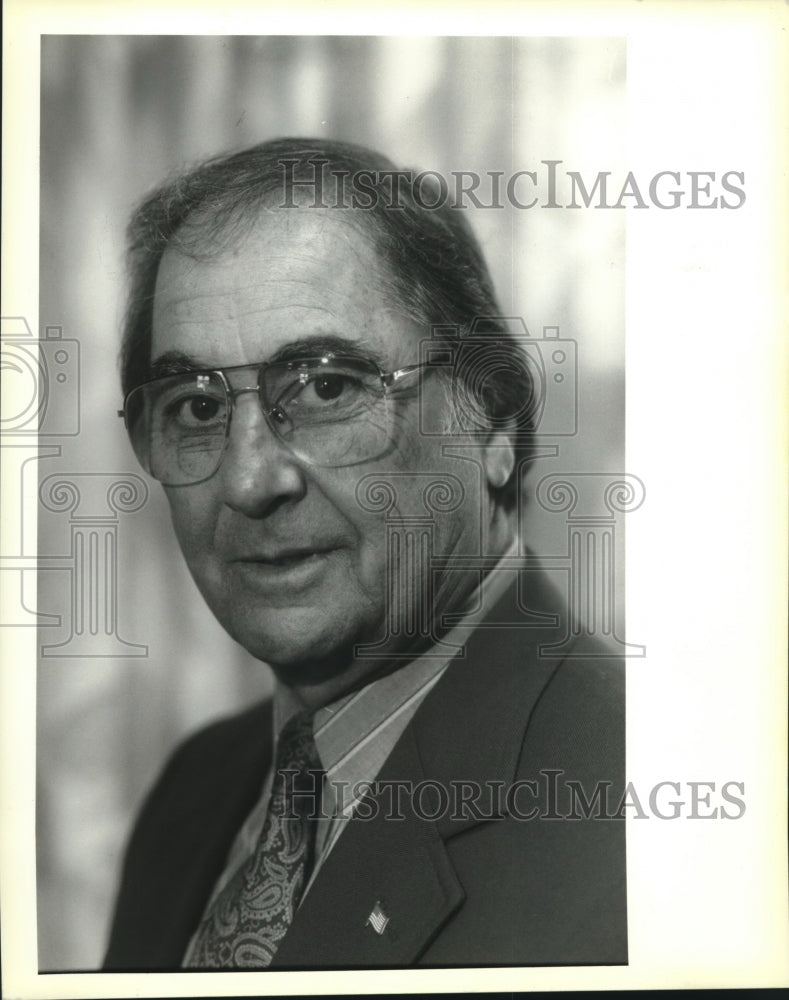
(378, 919)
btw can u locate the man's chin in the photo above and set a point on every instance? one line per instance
(296, 645)
(318, 664)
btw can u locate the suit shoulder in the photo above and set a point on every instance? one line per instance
(243, 735)
(223, 761)
(578, 724)
(182, 835)
(589, 684)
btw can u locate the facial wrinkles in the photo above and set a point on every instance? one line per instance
(235, 335)
(283, 244)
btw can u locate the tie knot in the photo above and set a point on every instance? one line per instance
(296, 750)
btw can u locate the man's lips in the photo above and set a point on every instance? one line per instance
(284, 556)
(273, 574)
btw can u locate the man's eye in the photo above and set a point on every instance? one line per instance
(196, 412)
(329, 387)
(326, 395)
(324, 390)
(201, 409)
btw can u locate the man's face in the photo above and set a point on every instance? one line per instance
(284, 555)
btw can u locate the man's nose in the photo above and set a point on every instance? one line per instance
(258, 472)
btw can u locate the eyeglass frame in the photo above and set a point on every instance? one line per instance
(388, 379)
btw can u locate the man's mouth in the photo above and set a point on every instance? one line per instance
(282, 559)
(290, 558)
(292, 567)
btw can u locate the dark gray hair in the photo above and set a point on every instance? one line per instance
(427, 249)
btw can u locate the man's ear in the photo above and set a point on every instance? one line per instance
(498, 457)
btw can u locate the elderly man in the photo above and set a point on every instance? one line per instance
(342, 462)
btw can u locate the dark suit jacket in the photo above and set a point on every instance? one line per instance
(465, 888)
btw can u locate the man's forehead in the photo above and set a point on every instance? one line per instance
(267, 246)
(295, 274)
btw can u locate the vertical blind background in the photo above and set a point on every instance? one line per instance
(120, 113)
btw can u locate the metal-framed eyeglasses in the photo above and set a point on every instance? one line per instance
(329, 411)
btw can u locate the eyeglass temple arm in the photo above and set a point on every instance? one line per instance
(391, 377)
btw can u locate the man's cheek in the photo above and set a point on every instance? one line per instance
(193, 538)
(367, 570)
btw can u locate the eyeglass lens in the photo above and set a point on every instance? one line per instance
(328, 412)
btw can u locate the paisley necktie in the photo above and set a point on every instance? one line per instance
(243, 926)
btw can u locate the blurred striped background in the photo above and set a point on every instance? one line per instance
(117, 115)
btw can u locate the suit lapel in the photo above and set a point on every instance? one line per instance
(472, 726)
(385, 890)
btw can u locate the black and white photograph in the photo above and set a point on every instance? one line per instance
(394, 504)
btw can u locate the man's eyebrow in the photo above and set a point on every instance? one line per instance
(177, 362)
(174, 363)
(323, 343)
